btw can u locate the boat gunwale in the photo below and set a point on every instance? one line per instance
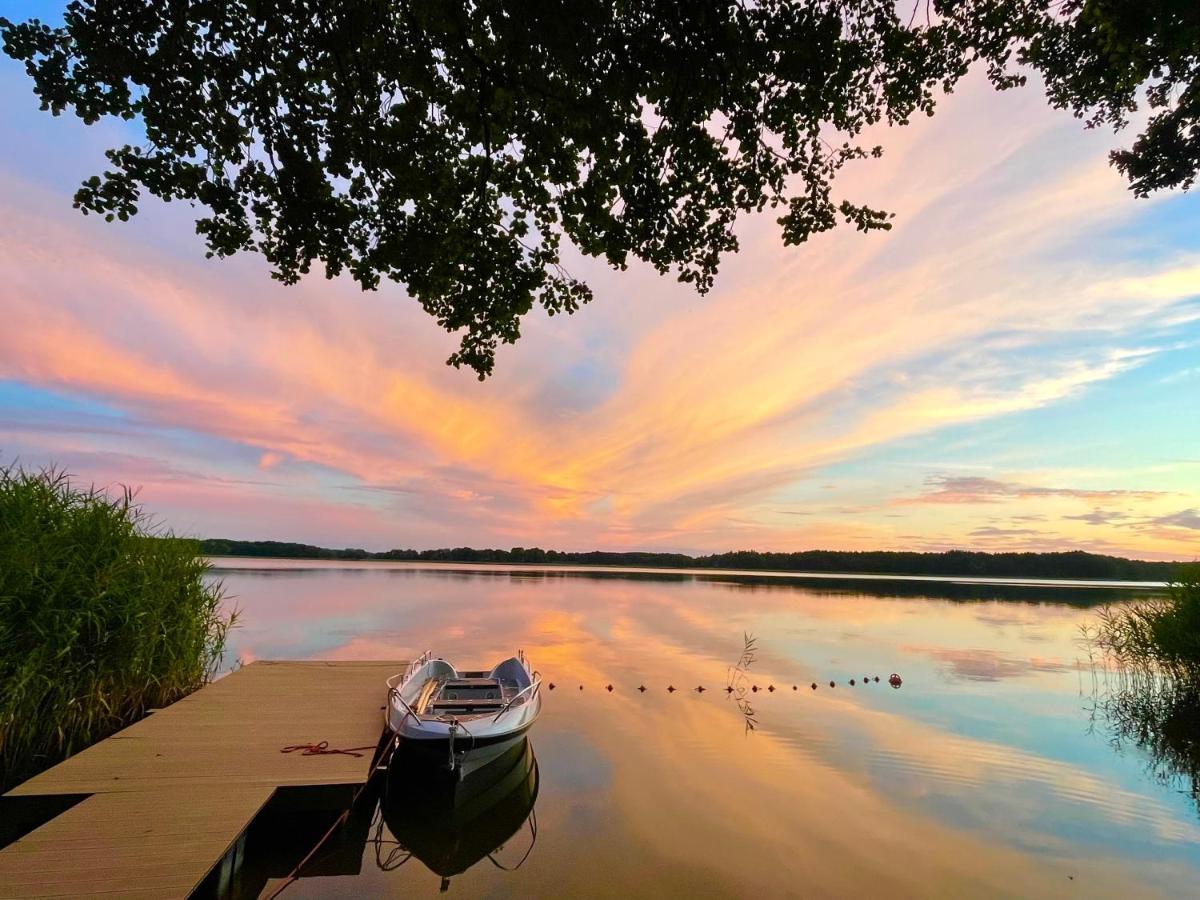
(525, 698)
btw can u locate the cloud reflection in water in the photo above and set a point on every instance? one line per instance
(983, 783)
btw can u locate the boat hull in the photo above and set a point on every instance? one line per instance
(422, 716)
(469, 756)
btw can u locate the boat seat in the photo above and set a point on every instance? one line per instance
(466, 704)
(453, 683)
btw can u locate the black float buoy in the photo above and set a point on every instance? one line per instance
(894, 680)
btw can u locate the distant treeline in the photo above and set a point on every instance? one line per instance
(1075, 564)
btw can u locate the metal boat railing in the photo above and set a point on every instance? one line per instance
(396, 681)
(400, 679)
(533, 686)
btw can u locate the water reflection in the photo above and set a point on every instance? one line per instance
(979, 776)
(1158, 716)
(738, 686)
(1064, 591)
(450, 824)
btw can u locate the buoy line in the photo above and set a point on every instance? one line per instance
(893, 680)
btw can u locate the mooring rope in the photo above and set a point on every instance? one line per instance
(318, 750)
(323, 749)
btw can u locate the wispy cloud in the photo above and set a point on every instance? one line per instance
(1181, 375)
(993, 531)
(972, 489)
(1102, 517)
(652, 417)
(1185, 518)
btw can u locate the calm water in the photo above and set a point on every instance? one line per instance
(989, 773)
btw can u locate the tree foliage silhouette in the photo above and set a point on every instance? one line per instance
(452, 145)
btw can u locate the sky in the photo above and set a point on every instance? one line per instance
(1015, 366)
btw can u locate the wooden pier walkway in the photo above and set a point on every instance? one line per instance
(167, 798)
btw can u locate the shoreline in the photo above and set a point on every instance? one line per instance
(279, 563)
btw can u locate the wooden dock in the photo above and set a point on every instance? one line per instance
(158, 805)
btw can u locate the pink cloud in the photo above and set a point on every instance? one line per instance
(269, 460)
(700, 414)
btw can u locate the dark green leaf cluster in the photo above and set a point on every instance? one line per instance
(1101, 59)
(452, 145)
(99, 619)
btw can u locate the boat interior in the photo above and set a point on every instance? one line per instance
(465, 693)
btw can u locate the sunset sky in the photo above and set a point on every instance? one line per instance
(1016, 365)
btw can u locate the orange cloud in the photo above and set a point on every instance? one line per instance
(700, 414)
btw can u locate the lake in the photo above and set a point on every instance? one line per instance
(998, 768)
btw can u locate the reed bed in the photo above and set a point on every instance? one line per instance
(1160, 635)
(1146, 680)
(103, 616)
(1160, 717)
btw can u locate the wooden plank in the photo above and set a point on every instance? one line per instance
(235, 729)
(172, 793)
(55, 893)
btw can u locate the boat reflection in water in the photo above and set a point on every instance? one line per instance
(449, 822)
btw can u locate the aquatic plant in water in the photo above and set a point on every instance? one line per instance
(1160, 634)
(736, 686)
(1159, 716)
(1146, 656)
(103, 616)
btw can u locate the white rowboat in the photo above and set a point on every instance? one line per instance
(464, 718)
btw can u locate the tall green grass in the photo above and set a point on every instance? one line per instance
(1146, 691)
(1160, 634)
(102, 618)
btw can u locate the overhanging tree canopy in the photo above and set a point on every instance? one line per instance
(451, 145)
